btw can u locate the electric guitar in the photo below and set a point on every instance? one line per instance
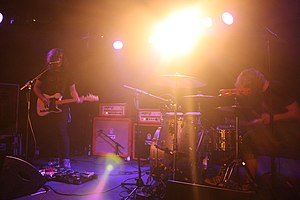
(56, 100)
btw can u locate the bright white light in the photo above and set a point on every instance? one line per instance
(118, 44)
(207, 22)
(1, 17)
(227, 18)
(178, 33)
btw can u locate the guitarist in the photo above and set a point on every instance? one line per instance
(57, 80)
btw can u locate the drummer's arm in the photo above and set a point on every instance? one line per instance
(292, 112)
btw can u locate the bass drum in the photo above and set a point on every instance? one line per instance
(160, 160)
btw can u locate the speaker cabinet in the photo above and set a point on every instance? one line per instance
(18, 178)
(142, 140)
(112, 136)
(9, 101)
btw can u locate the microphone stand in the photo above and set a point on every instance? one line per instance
(139, 181)
(273, 163)
(109, 140)
(28, 86)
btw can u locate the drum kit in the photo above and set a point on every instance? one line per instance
(182, 143)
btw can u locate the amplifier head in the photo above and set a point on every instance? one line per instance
(153, 116)
(113, 109)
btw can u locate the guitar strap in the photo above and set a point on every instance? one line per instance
(69, 115)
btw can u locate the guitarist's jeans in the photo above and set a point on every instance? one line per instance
(56, 126)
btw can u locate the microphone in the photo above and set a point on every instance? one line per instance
(54, 62)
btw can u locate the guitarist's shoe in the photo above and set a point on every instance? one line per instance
(66, 163)
(55, 162)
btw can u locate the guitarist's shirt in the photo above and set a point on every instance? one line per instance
(57, 82)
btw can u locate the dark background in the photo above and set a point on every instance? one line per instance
(263, 31)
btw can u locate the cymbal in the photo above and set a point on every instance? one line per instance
(179, 81)
(234, 109)
(199, 96)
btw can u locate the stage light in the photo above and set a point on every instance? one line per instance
(1, 17)
(118, 45)
(227, 18)
(178, 33)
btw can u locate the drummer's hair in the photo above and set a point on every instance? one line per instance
(250, 78)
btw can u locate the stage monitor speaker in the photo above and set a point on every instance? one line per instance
(184, 190)
(112, 136)
(18, 178)
(142, 140)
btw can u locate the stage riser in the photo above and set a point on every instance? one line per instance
(182, 190)
(285, 167)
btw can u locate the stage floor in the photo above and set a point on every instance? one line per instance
(112, 172)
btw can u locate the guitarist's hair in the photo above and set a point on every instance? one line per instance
(53, 53)
(56, 52)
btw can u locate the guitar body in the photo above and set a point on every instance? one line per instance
(56, 100)
(43, 109)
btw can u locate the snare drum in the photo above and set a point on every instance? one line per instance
(192, 118)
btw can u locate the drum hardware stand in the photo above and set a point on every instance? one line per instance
(136, 102)
(174, 152)
(273, 161)
(204, 158)
(237, 162)
(28, 85)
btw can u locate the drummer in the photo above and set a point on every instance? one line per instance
(267, 98)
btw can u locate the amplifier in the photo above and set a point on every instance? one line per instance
(10, 145)
(143, 135)
(112, 136)
(9, 101)
(113, 109)
(150, 116)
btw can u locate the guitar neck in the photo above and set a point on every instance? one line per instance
(65, 101)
